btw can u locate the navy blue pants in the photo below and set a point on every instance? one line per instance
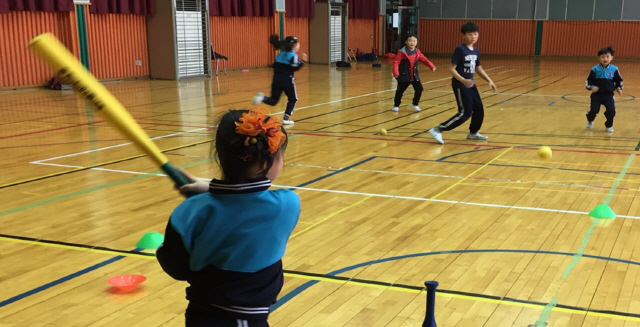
(609, 103)
(469, 105)
(201, 317)
(283, 83)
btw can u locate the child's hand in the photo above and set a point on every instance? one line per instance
(433, 69)
(493, 87)
(304, 57)
(469, 83)
(195, 186)
(619, 92)
(595, 89)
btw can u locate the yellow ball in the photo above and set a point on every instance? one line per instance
(383, 132)
(544, 152)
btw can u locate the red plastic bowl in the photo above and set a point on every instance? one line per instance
(126, 282)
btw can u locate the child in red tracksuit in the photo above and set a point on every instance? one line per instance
(405, 70)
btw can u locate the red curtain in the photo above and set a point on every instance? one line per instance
(299, 8)
(361, 8)
(263, 8)
(35, 5)
(136, 7)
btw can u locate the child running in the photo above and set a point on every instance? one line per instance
(464, 63)
(405, 70)
(283, 81)
(602, 81)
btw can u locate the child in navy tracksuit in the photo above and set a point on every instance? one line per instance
(286, 63)
(405, 70)
(602, 81)
(465, 62)
(227, 242)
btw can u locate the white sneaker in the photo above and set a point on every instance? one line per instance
(610, 129)
(258, 98)
(590, 124)
(476, 136)
(437, 135)
(394, 109)
(287, 122)
(416, 108)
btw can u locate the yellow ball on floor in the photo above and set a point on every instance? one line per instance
(544, 152)
(383, 132)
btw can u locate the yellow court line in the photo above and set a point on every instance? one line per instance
(350, 282)
(472, 173)
(329, 216)
(98, 165)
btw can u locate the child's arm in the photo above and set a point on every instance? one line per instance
(456, 75)
(484, 76)
(591, 82)
(195, 186)
(396, 64)
(426, 61)
(172, 255)
(617, 81)
(296, 64)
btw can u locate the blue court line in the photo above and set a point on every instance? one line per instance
(287, 297)
(551, 103)
(62, 280)
(114, 259)
(503, 101)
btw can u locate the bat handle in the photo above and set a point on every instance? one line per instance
(176, 176)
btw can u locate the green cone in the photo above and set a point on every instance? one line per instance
(151, 240)
(602, 211)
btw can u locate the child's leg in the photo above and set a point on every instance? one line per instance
(197, 316)
(477, 117)
(610, 111)
(402, 86)
(465, 108)
(595, 107)
(276, 91)
(290, 91)
(417, 86)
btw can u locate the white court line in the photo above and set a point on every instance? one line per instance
(375, 194)
(452, 176)
(112, 146)
(369, 94)
(448, 201)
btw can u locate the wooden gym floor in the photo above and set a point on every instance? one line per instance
(494, 225)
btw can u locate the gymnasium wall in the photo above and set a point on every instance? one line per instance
(496, 36)
(361, 33)
(532, 9)
(298, 27)
(19, 66)
(115, 43)
(520, 27)
(245, 40)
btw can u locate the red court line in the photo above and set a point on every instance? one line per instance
(176, 125)
(50, 129)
